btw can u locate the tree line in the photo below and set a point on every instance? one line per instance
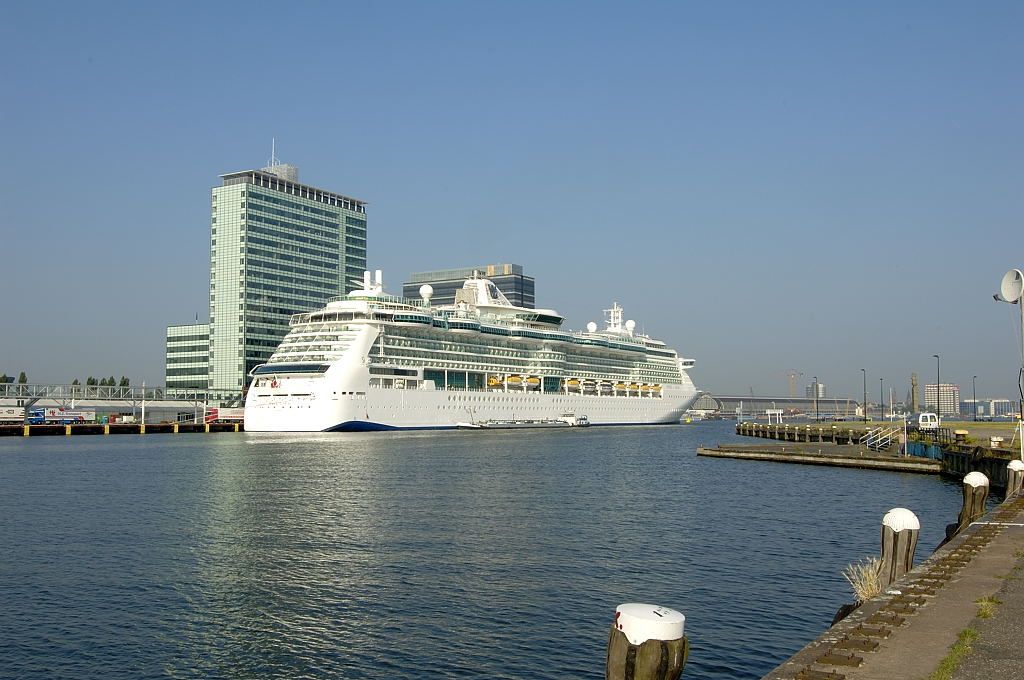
(102, 382)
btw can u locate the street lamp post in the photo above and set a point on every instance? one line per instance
(938, 390)
(864, 375)
(815, 390)
(881, 399)
(974, 395)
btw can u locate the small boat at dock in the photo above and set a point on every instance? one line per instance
(567, 420)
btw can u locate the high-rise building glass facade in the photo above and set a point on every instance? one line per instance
(277, 247)
(943, 399)
(509, 278)
(187, 358)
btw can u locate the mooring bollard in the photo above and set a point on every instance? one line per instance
(646, 643)
(1014, 477)
(975, 495)
(900, 528)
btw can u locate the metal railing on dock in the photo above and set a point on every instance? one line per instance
(833, 434)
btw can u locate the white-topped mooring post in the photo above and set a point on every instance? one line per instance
(646, 642)
(975, 495)
(900, 528)
(1014, 478)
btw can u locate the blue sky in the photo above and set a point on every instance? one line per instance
(767, 186)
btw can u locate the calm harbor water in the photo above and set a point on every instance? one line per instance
(421, 555)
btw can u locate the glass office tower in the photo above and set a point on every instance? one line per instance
(277, 247)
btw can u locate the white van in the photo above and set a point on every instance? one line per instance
(928, 421)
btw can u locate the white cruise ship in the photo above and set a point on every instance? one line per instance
(372, 361)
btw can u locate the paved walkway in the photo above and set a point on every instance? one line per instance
(905, 633)
(998, 653)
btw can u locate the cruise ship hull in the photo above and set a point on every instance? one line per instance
(397, 409)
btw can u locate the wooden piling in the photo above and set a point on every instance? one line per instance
(975, 495)
(646, 642)
(1014, 478)
(900, 529)
(975, 491)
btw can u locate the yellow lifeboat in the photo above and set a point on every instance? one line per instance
(515, 380)
(620, 386)
(494, 381)
(572, 383)
(533, 382)
(656, 388)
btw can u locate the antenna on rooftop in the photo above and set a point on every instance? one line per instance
(273, 153)
(276, 167)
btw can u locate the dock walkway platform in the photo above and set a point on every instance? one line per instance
(908, 631)
(824, 453)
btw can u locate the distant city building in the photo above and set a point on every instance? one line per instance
(1003, 407)
(188, 358)
(988, 408)
(971, 408)
(809, 391)
(509, 278)
(277, 247)
(943, 399)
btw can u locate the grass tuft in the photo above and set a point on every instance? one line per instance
(987, 607)
(960, 649)
(865, 578)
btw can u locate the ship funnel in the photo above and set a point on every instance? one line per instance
(366, 280)
(379, 278)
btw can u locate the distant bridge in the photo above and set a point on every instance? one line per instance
(757, 406)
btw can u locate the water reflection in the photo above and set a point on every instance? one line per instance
(378, 555)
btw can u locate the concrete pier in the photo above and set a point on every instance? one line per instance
(955, 454)
(824, 453)
(908, 630)
(115, 428)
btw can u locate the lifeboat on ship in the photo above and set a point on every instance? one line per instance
(533, 382)
(589, 386)
(604, 387)
(620, 386)
(573, 384)
(515, 380)
(494, 381)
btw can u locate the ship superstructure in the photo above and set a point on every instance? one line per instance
(373, 361)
